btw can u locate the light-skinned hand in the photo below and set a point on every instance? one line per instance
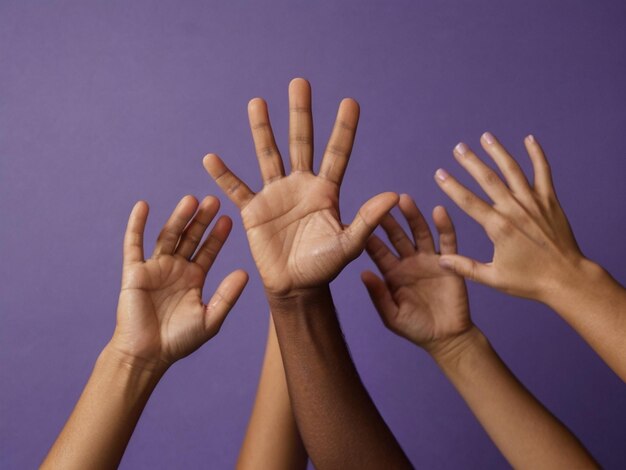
(534, 248)
(161, 316)
(293, 225)
(417, 298)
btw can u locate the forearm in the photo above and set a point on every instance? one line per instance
(272, 439)
(526, 433)
(594, 304)
(100, 426)
(338, 421)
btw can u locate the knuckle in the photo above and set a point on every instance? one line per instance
(337, 150)
(503, 228)
(300, 139)
(267, 151)
(467, 200)
(491, 178)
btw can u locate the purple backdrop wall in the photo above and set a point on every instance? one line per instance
(104, 103)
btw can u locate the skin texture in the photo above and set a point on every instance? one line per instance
(535, 253)
(272, 440)
(161, 318)
(299, 245)
(428, 305)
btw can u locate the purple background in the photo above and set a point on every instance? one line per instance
(106, 103)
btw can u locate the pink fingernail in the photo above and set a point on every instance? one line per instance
(441, 174)
(489, 138)
(530, 138)
(461, 148)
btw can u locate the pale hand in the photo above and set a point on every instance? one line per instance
(293, 225)
(161, 316)
(417, 298)
(535, 252)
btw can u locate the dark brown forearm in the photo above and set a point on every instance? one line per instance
(337, 419)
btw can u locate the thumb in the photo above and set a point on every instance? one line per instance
(369, 216)
(223, 300)
(468, 268)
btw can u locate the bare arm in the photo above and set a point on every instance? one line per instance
(527, 434)
(272, 439)
(535, 253)
(428, 305)
(299, 245)
(160, 319)
(336, 416)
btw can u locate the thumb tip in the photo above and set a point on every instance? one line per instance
(446, 263)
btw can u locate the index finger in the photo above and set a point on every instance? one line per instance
(133, 237)
(471, 204)
(236, 190)
(339, 145)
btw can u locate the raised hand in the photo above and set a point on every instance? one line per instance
(295, 233)
(418, 299)
(535, 253)
(534, 248)
(161, 316)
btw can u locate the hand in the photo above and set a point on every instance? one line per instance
(293, 224)
(418, 299)
(534, 247)
(160, 316)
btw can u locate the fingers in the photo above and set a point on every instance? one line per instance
(223, 300)
(173, 228)
(445, 228)
(133, 238)
(472, 205)
(213, 244)
(469, 268)
(381, 255)
(369, 216)
(417, 223)
(396, 236)
(543, 175)
(300, 126)
(488, 179)
(233, 187)
(270, 161)
(508, 166)
(195, 230)
(339, 146)
(380, 295)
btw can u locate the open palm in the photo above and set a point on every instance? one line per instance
(161, 315)
(293, 224)
(418, 299)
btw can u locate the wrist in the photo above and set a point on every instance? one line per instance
(114, 355)
(582, 279)
(448, 352)
(297, 299)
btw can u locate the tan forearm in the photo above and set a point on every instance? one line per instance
(272, 439)
(594, 304)
(100, 426)
(526, 433)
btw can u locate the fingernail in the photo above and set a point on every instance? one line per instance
(530, 138)
(441, 174)
(461, 148)
(489, 138)
(445, 263)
